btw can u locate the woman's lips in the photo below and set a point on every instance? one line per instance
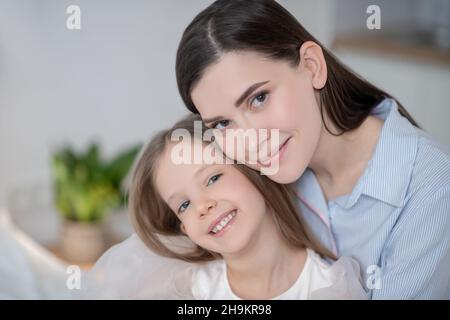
(280, 152)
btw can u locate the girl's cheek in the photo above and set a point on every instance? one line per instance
(188, 231)
(239, 187)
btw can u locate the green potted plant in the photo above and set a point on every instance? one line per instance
(86, 189)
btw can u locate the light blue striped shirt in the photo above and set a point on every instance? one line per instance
(396, 220)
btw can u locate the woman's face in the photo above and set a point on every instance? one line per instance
(219, 208)
(280, 97)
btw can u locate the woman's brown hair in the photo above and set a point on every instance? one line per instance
(265, 27)
(156, 224)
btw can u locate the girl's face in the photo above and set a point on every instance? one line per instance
(247, 91)
(219, 208)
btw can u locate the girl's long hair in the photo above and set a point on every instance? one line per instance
(265, 27)
(157, 225)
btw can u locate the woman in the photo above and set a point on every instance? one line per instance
(371, 184)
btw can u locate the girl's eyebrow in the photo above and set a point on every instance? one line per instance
(171, 198)
(241, 99)
(196, 174)
(203, 168)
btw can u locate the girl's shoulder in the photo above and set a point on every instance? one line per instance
(209, 280)
(340, 279)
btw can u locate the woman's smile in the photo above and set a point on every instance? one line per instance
(277, 156)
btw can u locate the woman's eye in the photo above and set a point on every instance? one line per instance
(183, 206)
(259, 100)
(213, 179)
(222, 124)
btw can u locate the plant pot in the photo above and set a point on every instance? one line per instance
(82, 242)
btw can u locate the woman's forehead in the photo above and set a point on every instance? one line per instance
(233, 73)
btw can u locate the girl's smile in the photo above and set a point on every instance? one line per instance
(224, 222)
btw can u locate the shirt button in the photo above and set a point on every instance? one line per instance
(332, 209)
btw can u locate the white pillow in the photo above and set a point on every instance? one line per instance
(27, 270)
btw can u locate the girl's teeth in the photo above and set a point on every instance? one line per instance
(223, 223)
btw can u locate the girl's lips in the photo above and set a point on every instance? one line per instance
(280, 153)
(224, 229)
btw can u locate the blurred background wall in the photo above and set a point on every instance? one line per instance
(113, 81)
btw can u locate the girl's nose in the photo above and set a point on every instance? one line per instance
(206, 205)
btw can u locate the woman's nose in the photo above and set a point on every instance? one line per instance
(247, 134)
(253, 138)
(205, 206)
(244, 123)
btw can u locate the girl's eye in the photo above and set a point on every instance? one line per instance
(183, 206)
(213, 179)
(222, 124)
(259, 100)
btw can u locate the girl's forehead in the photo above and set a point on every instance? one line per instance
(172, 178)
(183, 159)
(186, 149)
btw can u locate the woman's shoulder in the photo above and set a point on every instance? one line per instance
(409, 166)
(431, 169)
(340, 279)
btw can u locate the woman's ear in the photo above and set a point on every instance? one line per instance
(313, 60)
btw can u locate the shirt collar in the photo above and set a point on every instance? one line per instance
(388, 173)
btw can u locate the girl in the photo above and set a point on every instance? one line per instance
(247, 239)
(371, 184)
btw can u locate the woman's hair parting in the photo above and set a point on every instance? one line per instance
(160, 229)
(265, 27)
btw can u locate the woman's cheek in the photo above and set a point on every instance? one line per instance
(224, 140)
(283, 110)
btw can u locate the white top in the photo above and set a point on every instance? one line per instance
(211, 281)
(130, 270)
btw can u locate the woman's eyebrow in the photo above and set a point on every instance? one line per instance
(205, 121)
(248, 92)
(239, 101)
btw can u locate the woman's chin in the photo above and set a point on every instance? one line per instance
(286, 174)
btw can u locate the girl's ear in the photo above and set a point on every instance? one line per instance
(183, 228)
(313, 60)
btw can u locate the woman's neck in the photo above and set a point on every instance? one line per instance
(339, 161)
(266, 268)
